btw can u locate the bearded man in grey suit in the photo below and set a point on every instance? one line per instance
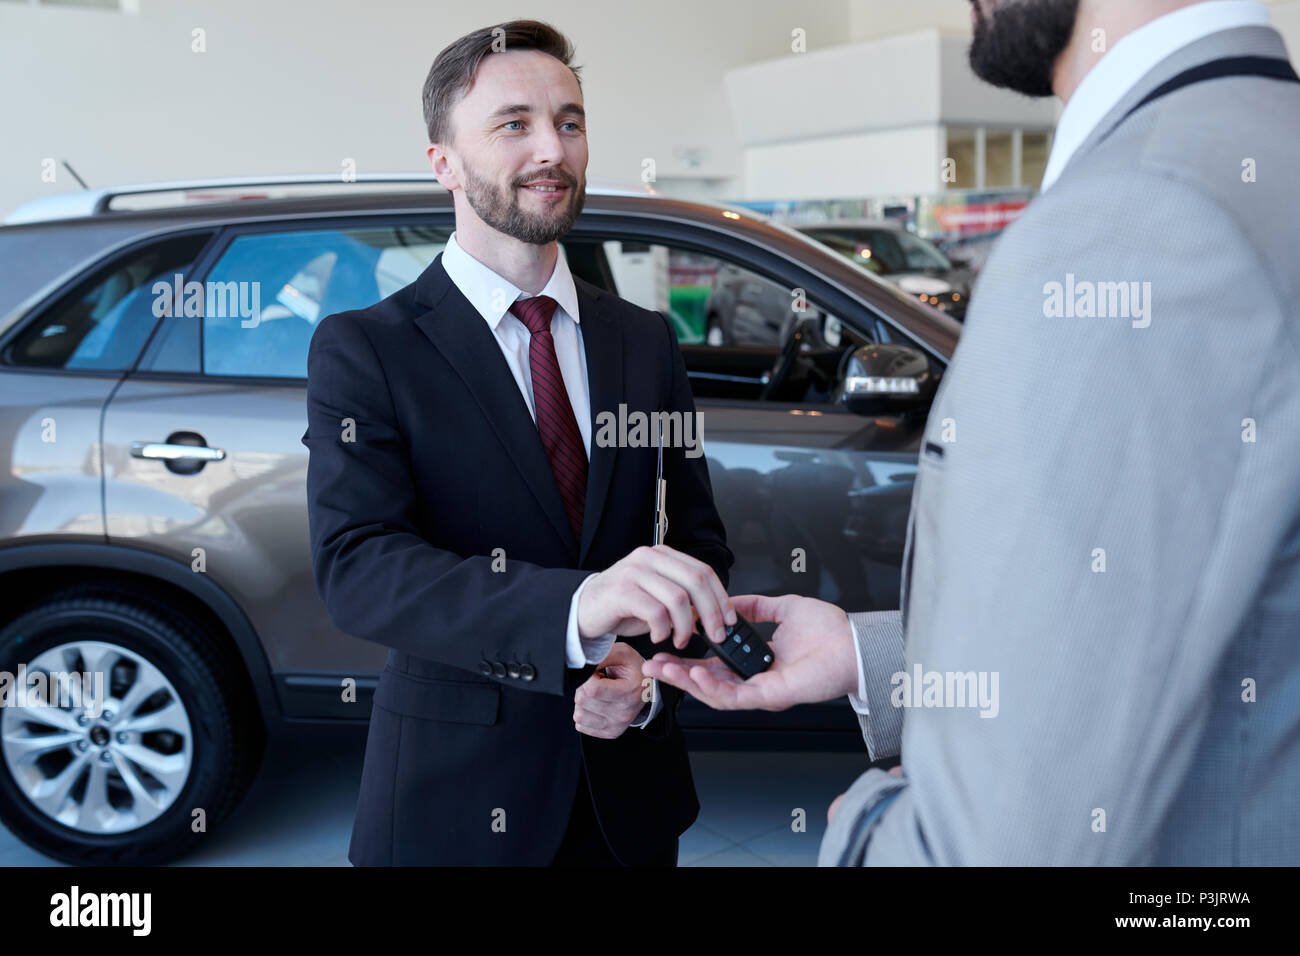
(1105, 528)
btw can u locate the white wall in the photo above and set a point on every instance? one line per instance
(1286, 18)
(843, 89)
(877, 18)
(288, 87)
(863, 119)
(869, 19)
(864, 164)
(291, 87)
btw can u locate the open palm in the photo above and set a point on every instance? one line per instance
(815, 659)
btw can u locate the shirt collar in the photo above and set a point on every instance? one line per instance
(491, 295)
(1124, 65)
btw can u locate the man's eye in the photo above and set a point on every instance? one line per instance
(575, 126)
(518, 123)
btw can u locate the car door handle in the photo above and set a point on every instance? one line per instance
(168, 452)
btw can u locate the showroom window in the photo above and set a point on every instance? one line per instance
(267, 291)
(989, 158)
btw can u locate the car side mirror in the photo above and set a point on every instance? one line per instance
(886, 379)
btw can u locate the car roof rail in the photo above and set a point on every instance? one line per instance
(96, 202)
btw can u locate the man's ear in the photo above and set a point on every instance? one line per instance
(442, 167)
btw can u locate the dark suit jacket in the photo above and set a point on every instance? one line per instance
(423, 461)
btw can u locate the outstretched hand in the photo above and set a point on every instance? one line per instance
(813, 647)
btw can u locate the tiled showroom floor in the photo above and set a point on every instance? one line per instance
(746, 805)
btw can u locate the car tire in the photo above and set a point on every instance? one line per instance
(186, 737)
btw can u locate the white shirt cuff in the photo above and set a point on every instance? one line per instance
(858, 701)
(578, 653)
(656, 704)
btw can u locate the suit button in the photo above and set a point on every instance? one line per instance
(527, 672)
(485, 667)
(513, 670)
(499, 669)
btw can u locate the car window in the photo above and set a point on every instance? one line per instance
(860, 247)
(175, 348)
(267, 291)
(732, 322)
(884, 251)
(921, 255)
(711, 300)
(103, 321)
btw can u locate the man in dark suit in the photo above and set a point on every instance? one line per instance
(464, 514)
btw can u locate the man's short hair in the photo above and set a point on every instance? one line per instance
(453, 71)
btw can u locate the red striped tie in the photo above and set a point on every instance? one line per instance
(555, 419)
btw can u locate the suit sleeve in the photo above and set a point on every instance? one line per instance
(878, 636)
(694, 526)
(379, 578)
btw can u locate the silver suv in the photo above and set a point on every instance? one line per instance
(160, 616)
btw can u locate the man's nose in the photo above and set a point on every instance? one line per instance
(546, 144)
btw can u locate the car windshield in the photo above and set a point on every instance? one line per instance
(884, 251)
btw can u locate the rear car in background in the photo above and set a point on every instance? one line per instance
(902, 258)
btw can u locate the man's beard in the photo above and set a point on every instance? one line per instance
(500, 208)
(1018, 45)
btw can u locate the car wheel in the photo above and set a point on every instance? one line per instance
(118, 778)
(713, 334)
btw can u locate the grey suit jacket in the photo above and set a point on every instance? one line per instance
(1107, 517)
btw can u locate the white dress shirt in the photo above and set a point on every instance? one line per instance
(491, 295)
(1124, 64)
(1117, 72)
(858, 701)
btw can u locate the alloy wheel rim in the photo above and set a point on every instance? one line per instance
(98, 766)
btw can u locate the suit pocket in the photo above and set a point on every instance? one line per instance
(455, 702)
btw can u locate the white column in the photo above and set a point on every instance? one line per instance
(1017, 157)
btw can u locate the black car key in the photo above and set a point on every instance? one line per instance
(743, 651)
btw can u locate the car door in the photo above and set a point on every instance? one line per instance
(202, 443)
(61, 363)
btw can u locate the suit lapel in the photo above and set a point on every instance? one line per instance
(465, 341)
(602, 341)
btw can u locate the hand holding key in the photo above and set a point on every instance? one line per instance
(814, 659)
(653, 590)
(742, 649)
